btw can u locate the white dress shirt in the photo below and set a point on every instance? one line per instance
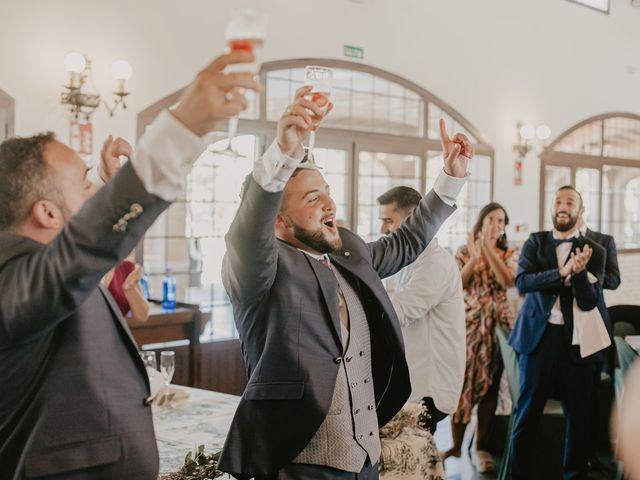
(427, 296)
(273, 169)
(163, 158)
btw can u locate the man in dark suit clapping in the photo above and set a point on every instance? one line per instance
(561, 274)
(321, 341)
(74, 392)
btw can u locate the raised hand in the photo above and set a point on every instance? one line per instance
(567, 268)
(457, 152)
(299, 118)
(110, 156)
(215, 95)
(581, 258)
(133, 279)
(473, 247)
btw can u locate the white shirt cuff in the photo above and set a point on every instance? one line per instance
(273, 169)
(93, 175)
(164, 156)
(448, 188)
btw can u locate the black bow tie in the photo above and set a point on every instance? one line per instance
(557, 241)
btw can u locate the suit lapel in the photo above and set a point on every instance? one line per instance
(329, 286)
(122, 323)
(364, 273)
(551, 256)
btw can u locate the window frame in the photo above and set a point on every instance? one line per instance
(591, 7)
(352, 141)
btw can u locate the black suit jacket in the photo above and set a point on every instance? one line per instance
(73, 387)
(286, 311)
(611, 270)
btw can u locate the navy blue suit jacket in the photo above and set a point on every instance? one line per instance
(538, 277)
(611, 270)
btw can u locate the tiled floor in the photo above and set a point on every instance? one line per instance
(463, 469)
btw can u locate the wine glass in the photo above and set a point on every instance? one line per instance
(321, 80)
(149, 359)
(245, 32)
(167, 365)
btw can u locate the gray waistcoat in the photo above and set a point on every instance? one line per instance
(349, 432)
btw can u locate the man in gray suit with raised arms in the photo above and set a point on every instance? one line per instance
(74, 390)
(321, 341)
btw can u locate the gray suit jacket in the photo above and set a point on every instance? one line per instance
(73, 386)
(286, 311)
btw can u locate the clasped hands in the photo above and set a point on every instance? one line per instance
(485, 242)
(578, 261)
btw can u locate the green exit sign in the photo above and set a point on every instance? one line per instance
(353, 52)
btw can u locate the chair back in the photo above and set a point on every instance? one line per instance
(626, 355)
(629, 314)
(510, 361)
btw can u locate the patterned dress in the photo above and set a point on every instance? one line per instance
(486, 306)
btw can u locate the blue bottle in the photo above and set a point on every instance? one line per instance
(144, 285)
(169, 291)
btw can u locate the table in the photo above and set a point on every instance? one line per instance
(204, 419)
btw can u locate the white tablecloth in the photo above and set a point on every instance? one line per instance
(203, 419)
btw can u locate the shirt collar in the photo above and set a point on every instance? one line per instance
(316, 256)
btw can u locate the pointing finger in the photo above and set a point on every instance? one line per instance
(444, 136)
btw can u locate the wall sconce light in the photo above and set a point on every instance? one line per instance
(526, 134)
(83, 103)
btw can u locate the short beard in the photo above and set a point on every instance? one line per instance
(565, 227)
(315, 240)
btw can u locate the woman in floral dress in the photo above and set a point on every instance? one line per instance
(488, 266)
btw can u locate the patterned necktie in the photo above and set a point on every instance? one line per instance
(342, 304)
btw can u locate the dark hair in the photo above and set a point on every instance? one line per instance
(486, 210)
(573, 189)
(404, 197)
(24, 177)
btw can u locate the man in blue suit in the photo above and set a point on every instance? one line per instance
(560, 272)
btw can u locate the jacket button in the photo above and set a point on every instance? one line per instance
(136, 209)
(354, 384)
(371, 434)
(356, 411)
(370, 407)
(346, 254)
(361, 353)
(337, 360)
(366, 380)
(359, 437)
(347, 359)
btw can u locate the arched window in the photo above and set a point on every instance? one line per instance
(601, 157)
(383, 132)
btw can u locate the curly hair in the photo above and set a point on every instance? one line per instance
(24, 177)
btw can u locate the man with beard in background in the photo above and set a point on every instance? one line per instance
(561, 273)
